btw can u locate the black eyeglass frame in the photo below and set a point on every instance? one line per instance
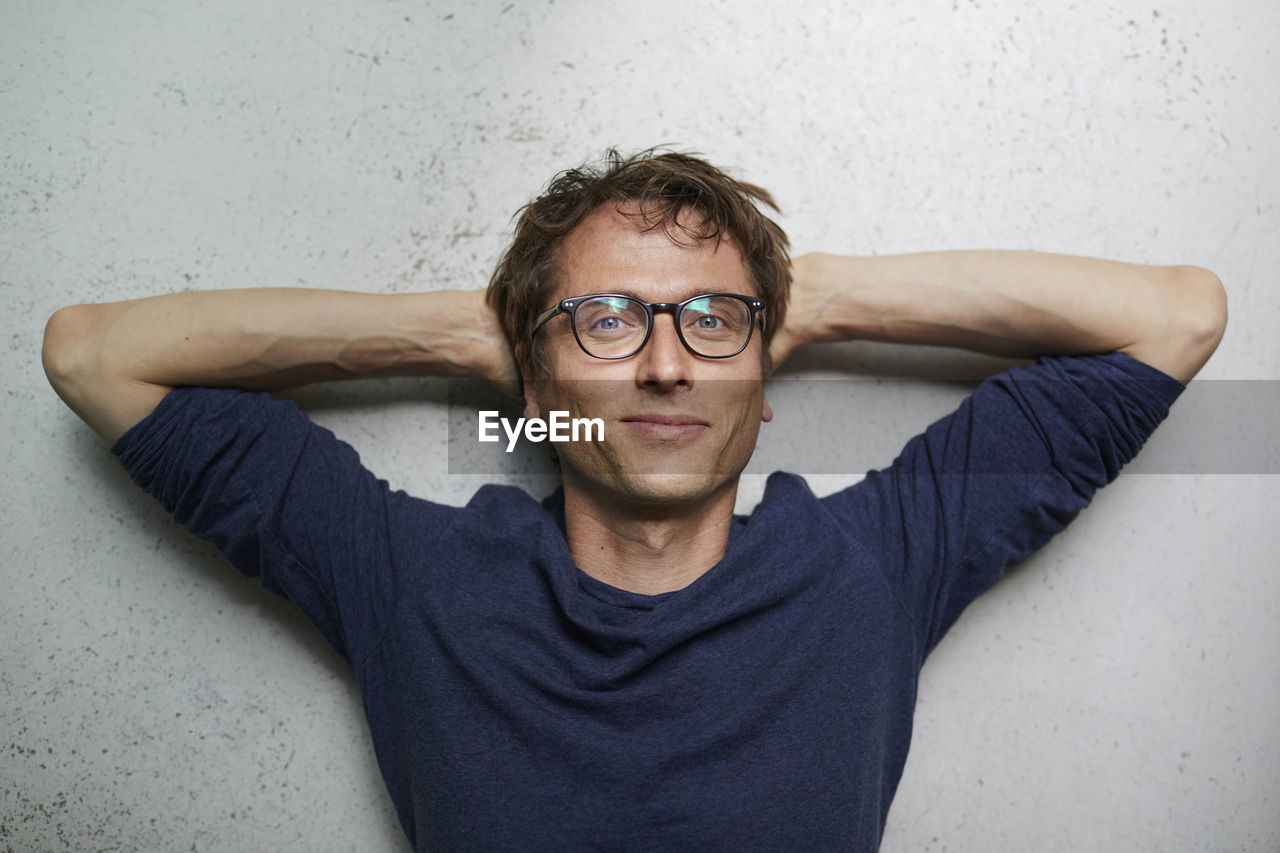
(570, 306)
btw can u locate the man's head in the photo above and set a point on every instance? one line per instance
(657, 189)
(668, 228)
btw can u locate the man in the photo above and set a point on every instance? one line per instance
(627, 665)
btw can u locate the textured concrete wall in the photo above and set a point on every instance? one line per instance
(1117, 692)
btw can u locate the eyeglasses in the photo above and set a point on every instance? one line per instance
(610, 325)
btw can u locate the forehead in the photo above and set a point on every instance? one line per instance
(611, 251)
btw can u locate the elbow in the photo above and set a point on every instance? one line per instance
(69, 350)
(78, 361)
(62, 353)
(1202, 308)
(1194, 322)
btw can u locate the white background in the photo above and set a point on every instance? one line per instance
(1117, 692)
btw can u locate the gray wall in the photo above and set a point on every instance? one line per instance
(1118, 691)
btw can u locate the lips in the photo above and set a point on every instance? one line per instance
(665, 427)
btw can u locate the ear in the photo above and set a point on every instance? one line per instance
(528, 385)
(766, 413)
(532, 408)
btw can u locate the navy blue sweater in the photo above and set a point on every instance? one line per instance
(517, 703)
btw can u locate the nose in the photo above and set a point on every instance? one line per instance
(664, 364)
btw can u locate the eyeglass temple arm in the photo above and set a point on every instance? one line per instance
(552, 313)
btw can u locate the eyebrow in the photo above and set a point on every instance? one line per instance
(691, 293)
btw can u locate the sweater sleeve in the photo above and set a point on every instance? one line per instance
(281, 497)
(986, 486)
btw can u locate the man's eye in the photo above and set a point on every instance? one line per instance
(605, 322)
(706, 321)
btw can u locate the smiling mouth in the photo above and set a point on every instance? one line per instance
(665, 427)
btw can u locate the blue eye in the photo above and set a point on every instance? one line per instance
(611, 317)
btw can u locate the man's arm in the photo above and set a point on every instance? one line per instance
(1017, 304)
(112, 363)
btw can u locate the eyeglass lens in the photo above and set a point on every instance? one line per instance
(615, 326)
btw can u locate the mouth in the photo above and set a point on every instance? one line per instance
(661, 427)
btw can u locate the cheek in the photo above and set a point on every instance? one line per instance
(579, 397)
(546, 389)
(748, 428)
(740, 403)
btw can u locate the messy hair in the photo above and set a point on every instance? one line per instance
(658, 188)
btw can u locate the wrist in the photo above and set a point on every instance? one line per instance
(822, 293)
(471, 339)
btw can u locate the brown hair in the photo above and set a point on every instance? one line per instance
(664, 185)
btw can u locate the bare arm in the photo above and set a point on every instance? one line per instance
(112, 363)
(1018, 304)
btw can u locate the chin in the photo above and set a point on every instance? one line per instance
(635, 485)
(670, 488)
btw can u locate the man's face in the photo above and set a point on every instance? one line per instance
(677, 427)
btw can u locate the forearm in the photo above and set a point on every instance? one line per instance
(1019, 304)
(112, 361)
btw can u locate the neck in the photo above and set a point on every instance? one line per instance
(647, 548)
